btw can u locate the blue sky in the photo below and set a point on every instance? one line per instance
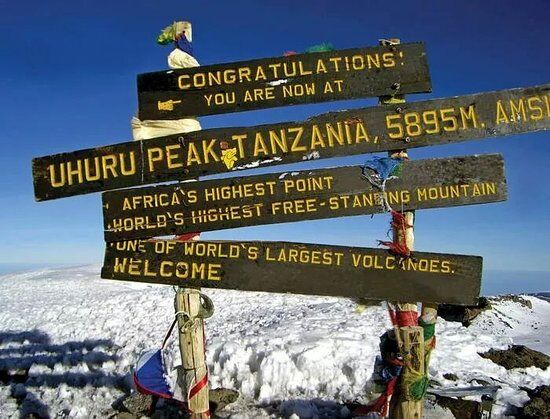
(68, 81)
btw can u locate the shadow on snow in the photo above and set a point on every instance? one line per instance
(28, 359)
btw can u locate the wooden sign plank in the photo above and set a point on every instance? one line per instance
(357, 131)
(297, 268)
(282, 81)
(308, 195)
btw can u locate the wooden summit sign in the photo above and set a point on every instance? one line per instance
(357, 131)
(282, 81)
(297, 268)
(296, 196)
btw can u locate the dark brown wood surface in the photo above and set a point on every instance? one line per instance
(297, 268)
(282, 81)
(297, 196)
(357, 131)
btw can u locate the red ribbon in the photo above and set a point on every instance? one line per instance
(403, 318)
(198, 386)
(400, 224)
(406, 318)
(186, 237)
(381, 405)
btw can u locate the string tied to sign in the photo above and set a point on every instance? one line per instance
(399, 223)
(378, 171)
(206, 309)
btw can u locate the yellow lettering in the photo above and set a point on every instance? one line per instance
(260, 145)
(57, 183)
(181, 82)
(295, 143)
(192, 154)
(154, 154)
(172, 155)
(316, 137)
(502, 117)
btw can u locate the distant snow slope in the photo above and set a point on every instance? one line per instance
(78, 336)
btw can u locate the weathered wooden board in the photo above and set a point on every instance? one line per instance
(282, 81)
(358, 131)
(308, 195)
(297, 268)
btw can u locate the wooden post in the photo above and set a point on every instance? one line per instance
(194, 380)
(191, 338)
(410, 338)
(411, 341)
(188, 305)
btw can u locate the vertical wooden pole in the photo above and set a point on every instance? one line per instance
(192, 349)
(409, 338)
(191, 330)
(194, 380)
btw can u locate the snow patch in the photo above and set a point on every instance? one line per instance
(257, 163)
(73, 340)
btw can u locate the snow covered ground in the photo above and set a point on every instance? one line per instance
(77, 337)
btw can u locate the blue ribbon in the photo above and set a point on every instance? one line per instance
(383, 166)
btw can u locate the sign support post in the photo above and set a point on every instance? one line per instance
(192, 348)
(190, 313)
(410, 339)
